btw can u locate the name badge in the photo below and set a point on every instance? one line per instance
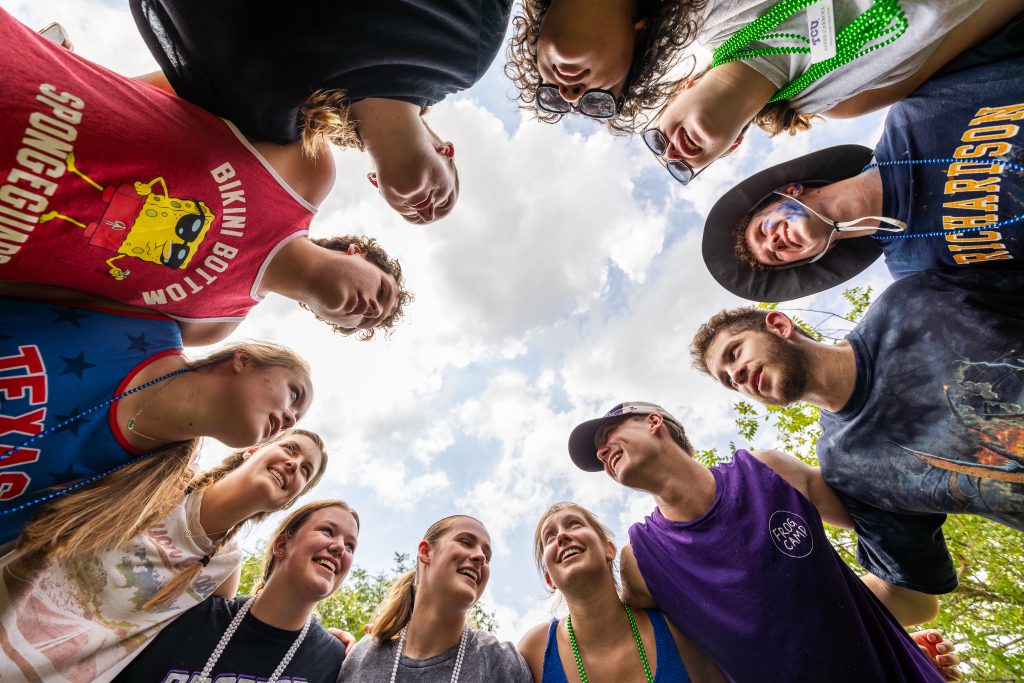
(821, 31)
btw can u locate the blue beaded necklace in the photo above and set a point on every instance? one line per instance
(949, 160)
(61, 425)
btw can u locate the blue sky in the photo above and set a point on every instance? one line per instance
(567, 280)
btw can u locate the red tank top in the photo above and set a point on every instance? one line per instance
(119, 189)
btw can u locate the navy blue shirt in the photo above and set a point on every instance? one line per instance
(974, 111)
(57, 361)
(936, 421)
(255, 63)
(180, 651)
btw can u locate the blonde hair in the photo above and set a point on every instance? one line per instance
(396, 609)
(325, 119)
(288, 527)
(603, 532)
(184, 579)
(146, 490)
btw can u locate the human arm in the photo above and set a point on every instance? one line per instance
(532, 646)
(940, 652)
(809, 481)
(979, 26)
(229, 587)
(156, 79)
(909, 607)
(634, 588)
(698, 665)
(201, 334)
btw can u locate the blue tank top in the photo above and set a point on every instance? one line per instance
(55, 362)
(669, 667)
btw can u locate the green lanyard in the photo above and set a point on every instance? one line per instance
(884, 19)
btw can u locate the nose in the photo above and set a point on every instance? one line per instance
(289, 418)
(571, 93)
(290, 464)
(738, 375)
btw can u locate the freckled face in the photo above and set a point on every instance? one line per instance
(784, 231)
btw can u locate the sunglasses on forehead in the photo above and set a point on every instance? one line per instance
(596, 103)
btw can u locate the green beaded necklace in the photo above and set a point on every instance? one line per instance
(884, 19)
(636, 636)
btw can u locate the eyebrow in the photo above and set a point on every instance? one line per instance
(723, 377)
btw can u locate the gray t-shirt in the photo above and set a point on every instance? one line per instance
(486, 659)
(928, 22)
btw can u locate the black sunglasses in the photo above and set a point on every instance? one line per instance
(678, 169)
(596, 103)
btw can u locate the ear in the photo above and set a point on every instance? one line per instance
(737, 143)
(241, 360)
(355, 249)
(279, 545)
(247, 453)
(640, 24)
(794, 189)
(609, 551)
(548, 581)
(655, 420)
(423, 552)
(780, 324)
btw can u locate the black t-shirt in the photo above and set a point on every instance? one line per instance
(936, 421)
(180, 651)
(255, 63)
(972, 111)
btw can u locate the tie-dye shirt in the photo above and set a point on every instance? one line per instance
(82, 620)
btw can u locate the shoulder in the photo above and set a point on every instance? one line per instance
(502, 660)
(365, 656)
(322, 647)
(534, 644)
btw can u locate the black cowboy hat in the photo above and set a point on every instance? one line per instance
(846, 258)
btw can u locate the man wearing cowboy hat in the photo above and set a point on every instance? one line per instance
(922, 409)
(736, 556)
(939, 191)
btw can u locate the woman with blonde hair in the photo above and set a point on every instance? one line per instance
(108, 402)
(420, 631)
(75, 611)
(273, 634)
(607, 640)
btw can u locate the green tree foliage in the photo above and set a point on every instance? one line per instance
(352, 606)
(984, 616)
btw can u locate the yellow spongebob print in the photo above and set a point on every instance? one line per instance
(143, 224)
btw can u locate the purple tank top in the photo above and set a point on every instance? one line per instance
(757, 586)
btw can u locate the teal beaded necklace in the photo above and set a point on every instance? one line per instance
(636, 636)
(884, 19)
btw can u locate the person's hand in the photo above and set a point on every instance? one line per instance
(346, 638)
(940, 652)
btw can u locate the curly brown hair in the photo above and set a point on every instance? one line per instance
(376, 255)
(671, 26)
(739, 240)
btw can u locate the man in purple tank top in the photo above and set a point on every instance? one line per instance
(736, 556)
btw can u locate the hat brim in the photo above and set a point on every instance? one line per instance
(581, 443)
(846, 259)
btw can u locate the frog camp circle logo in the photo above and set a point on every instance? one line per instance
(791, 533)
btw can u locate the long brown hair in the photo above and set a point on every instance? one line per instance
(396, 610)
(325, 119)
(289, 526)
(183, 580)
(144, 491)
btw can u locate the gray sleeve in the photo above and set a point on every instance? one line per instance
(362, 663)
(503, 662)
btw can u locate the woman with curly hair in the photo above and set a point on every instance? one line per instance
(79, 608)
(608, 59)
